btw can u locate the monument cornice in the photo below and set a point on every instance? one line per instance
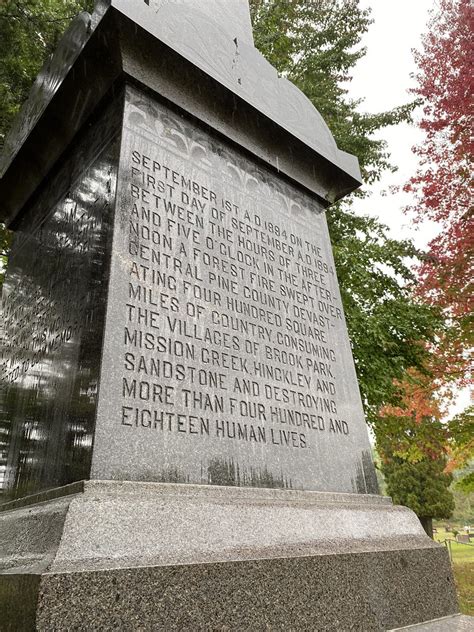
(229, 86)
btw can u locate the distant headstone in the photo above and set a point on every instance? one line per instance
(463, 538)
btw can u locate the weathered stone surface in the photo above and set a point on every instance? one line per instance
(201, 47)
(230, 16)
(115, 524)
(150, 556)
(226, 358)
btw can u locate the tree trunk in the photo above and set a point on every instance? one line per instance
(427, 524)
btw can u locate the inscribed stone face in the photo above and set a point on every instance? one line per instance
(226, 358)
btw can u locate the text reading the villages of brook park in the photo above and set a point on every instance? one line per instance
(227, 317)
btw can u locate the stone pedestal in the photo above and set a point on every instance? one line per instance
(173, 319)
(148, 556)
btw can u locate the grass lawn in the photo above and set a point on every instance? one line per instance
(463, 568)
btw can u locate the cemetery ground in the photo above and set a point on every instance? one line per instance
(463, 566)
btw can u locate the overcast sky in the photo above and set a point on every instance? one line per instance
(382, 78)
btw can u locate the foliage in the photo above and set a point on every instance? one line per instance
(385, 324)
(29, 32)
(442, 185)
(406, 438)
(466, 484)
(441, 189)
(463, 493)
(315, 45)
(461, 449)
(421, 486)
(413, 445)
(414, 430)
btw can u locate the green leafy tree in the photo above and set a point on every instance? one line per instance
(413, 457)
(421, 486)
(466, 483)
(29, 32)
(461, 449)
(316, 45)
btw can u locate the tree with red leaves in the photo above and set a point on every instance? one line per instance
(442, 189)
(442, 186)
(413, 432)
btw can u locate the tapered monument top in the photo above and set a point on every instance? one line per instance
(231, 15)
(172, 312)
(131, 40)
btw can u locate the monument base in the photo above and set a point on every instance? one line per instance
(122, 555)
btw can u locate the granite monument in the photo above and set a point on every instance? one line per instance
(184, 443)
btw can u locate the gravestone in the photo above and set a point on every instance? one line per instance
(463, 538)
(184, 442)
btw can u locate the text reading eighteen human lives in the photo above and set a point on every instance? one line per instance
(228, 317)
